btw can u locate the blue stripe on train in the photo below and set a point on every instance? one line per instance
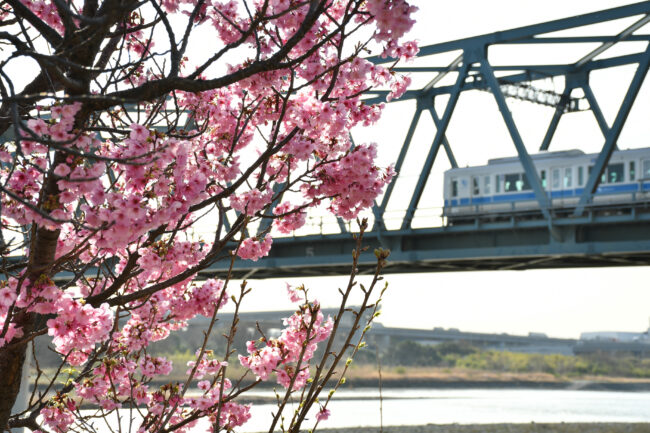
(514, 197)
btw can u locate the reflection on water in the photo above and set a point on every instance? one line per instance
(476, 406)
(360, 407)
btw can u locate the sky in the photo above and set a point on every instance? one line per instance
(561, 303)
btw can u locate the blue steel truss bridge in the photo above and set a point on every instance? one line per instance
(588, 235)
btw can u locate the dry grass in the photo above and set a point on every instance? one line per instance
(395, 374)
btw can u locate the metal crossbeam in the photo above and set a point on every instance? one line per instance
(528, 92)
(532, 72)
(528, 34)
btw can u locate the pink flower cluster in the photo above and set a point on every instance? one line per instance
(59, 417)
(393, 18)
(323, 414)
(406, 50)
(112, 379)
(289, 219)
(209, 400)
(293, 294)
(398, 87)
(39, 297)
(201, 300)
(12, 331)
(354, 182)
(253, 248)
(152, 366)
(7, 298)
(251, 202)
(232, 414)
(288, 356)
(263, 361)
(77, 328)
(208, 366)
(46, 11)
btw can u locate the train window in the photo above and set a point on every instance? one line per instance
(519, 184)
(615, 173)
(568, 177)
(632, 169)
(511, 182)
(556, 178)
(454, 188)
(476, 190)
(543, 177)
(516, 182)
(603, 177)
(646, 169)
(581, 176)
(497, 184)
(486, 185)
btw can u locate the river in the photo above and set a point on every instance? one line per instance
(409, 406)
(360, 407)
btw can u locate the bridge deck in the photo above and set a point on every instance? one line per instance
(612, 240)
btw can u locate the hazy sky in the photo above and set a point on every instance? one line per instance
(561, 303)
(558, 302)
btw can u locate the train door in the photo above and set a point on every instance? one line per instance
(460, 191)
(644, 176)
(475, 192)
(561, 184)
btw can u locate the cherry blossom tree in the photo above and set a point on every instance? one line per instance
(127, 124)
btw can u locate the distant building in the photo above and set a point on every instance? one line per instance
(632, 343)
(534, 342)
(615, 336)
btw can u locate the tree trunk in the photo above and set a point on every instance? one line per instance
(12, 360)
(12, 357)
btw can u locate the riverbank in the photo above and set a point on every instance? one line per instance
(458, 378)
(504, 428)
(366, 376)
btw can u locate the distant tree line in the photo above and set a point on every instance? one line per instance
(465, 355)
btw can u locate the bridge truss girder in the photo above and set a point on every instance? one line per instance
(588, 237)
(475, 71)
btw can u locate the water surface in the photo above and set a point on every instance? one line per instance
(357, 408)
(360, 408)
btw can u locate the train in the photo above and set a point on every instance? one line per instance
(501, 190)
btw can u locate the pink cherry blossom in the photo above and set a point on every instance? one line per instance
(7, 297)
(251, 202)
(294, 296)
(323, 414)
(253, 248)
(290, 217)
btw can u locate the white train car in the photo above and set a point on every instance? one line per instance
(500, 188)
